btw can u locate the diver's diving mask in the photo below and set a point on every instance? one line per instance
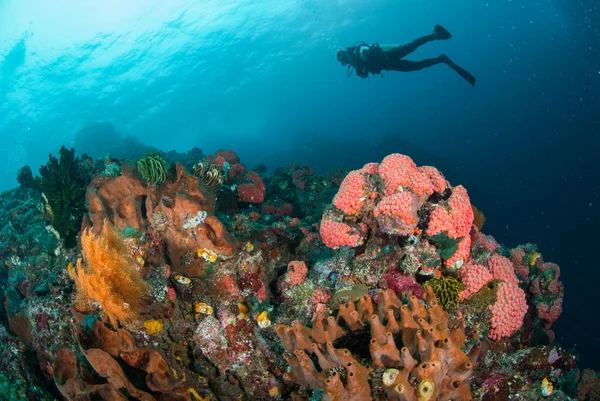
(344, 56)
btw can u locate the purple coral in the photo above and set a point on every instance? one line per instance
(401, 283)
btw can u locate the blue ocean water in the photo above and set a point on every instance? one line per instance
(262, 78)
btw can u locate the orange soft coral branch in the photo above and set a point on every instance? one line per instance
(108, 279)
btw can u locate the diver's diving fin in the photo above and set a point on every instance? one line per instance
(466, 75)
(441, 33)
(461, 71)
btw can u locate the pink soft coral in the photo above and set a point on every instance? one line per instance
(400, 172)
(335, 234)
(397, 214)
(351, 195)
(252, 191)
(509, 310)
(510, 306)
(456, 221)
(474, 277)
(297, 272)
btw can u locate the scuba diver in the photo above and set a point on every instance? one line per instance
(373, 59)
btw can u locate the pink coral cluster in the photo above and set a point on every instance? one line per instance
(320, 296)
(252, 191)
(461, 255)
(396, 197)
(474, 277)
(301, 175)
(502, 269)
(511, 304)
(297, 272)
(399, 172)
(517, 257)
(548, 292)
(352, 193)
(550, 313)
(235, 172)
(456, 221)
(397, 214)
(508, 311)
(392, 195)
(336, 234)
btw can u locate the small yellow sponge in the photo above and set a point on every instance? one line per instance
(153, 326)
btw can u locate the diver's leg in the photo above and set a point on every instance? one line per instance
(439, 33)
(407, 66)
(404, 50)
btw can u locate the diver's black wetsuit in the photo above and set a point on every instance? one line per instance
(375, 59)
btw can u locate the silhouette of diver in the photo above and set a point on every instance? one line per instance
(373, 59)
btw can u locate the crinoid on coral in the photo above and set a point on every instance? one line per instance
(446, 290)
(153, 168)
(209, 174)
(107, 277)
(415, 352)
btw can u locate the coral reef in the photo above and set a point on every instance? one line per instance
(224, 283)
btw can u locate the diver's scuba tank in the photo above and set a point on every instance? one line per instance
(360, 49)
(363, 52)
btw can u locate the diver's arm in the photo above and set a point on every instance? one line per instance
(362, 71)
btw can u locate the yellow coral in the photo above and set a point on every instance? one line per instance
(243, 310)
(204, 308)
(534, 258)
(207, 255)
(182, 279)
(425, 390)
(153, 326)
(547, 387)
(263, 320)
(70, 269)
